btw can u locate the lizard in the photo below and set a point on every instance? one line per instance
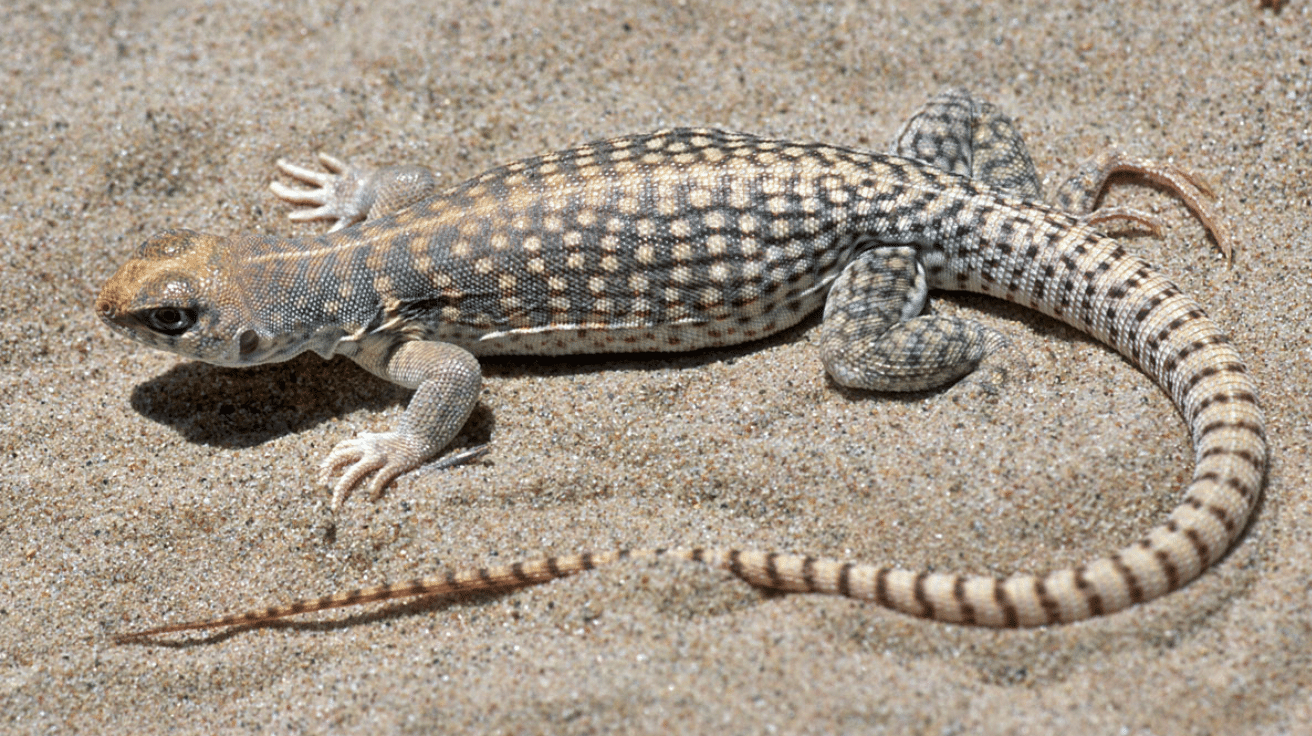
(696, 238)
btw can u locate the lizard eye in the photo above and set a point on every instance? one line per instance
(172, 321)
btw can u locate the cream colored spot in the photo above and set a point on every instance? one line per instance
(646, 228)
(700, 197)
(552, 224)
(346, 290)
(575, 260)
(584, 162)
(549, 166)
(811, 205)
(586, 218)
(793, 152)
(710, 296)
(332, 307)
(556, 283)
(597, 285)
(777, 205)
(507, 282)
(610, 243)
(621, 155)
(655, 144)
(685, 158)
(714, 220)
(645, 254)
(515, 180)
(838, 195)
(680, 229)
(423, 263)
(537, 265)
(510, 303)
(717, 244)
(476, 192)
(767, 159)
(681, 252)
(559, 303)
(615, 224)
(653, 158)
(700, 141)
(713, 155)
(719, 272)
(672, 295)
(610, 263)
(677, 147)
(739, 196)
(483, 266)
(450, 314)
(499, 241)
(747, 224)
(680, 275)
(772, 185)
(627, 205)
(638, 283)
(573, 239)
(460, 249)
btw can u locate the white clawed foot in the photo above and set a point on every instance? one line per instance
(387, 455)
(384, 454)
(338, 193)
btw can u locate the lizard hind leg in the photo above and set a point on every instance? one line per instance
(963, 135)
(874, 337)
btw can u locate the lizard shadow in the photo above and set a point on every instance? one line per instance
(246, 407)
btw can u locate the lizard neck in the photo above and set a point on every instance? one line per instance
(308, 293)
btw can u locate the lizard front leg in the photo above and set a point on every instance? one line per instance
(349, 193)
(446, 379)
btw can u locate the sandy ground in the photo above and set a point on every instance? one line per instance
(139, 488)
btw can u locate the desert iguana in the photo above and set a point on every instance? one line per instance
(695, 238)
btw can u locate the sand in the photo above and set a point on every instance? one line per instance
(141, 488)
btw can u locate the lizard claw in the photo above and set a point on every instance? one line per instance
(386, 455)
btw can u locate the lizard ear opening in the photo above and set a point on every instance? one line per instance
(248, 342)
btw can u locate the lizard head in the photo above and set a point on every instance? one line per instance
(172, 296)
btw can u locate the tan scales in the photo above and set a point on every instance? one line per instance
(693, 238)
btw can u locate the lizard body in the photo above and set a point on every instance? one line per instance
(692, 238)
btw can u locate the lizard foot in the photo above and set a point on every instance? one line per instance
(386, 455)
(341, 192)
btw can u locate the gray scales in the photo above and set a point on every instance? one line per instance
(693, 238)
